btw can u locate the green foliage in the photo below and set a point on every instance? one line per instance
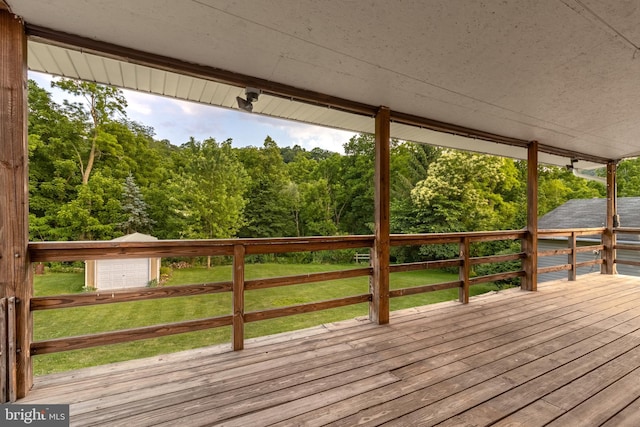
(461, 193)
(628, 178)
(270, 201)
(94, 174)
(208, 189)
(135, 209)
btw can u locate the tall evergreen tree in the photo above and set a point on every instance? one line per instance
(135, 209)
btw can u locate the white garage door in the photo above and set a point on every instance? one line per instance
(122, 273)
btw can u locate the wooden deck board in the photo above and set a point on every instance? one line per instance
(568, 354)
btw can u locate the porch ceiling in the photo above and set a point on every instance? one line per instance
(563, 72)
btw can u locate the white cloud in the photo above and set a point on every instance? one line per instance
(177, 120)
(310, 136)
(138, 103)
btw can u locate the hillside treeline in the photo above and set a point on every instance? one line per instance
(96, 175)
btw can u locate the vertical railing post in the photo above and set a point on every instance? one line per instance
(573, 257)
(238, 297)
(464, 270)
(379, 306)
(530, 244)
(16, 279)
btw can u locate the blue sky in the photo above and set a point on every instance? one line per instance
(177, 120)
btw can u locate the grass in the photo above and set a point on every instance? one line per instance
(85, 320)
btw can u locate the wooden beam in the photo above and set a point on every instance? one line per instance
(238, 297)
(15, 271)
(572, 258)
(608, 236)
(379, 307)
(464, 272)
(530, 281)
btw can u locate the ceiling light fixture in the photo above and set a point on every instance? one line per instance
(252, 96)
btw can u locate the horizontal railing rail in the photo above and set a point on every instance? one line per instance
(628, 247)
(116, 296)
(80, 251)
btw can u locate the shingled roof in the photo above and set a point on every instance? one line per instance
(590, 213)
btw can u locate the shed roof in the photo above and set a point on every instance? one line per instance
(565, 73)
(135, 237)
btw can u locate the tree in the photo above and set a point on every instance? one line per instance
(409, 165)
(70, 144)
(462, 192)
(135, 209)
(208, 189)
(97, 107)
(315, 209)
(352, 186)
(628, 178)
(96, 212)
(52, 175)
(268, 210)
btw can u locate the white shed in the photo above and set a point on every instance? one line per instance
(107, 274)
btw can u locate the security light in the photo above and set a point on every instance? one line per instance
(252, 96)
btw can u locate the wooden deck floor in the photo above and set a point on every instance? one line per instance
(567, 355)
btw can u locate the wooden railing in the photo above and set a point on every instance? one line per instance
(239, 249)
(464, 262)
(236, 248)
(627, 247)
(572, 250)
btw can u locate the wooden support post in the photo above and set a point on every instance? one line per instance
(4, 363)
(12, 355)
(379, 306)
(573, 258)
(238, 297)
(609, 237)
(15, 269)
(465, 270)
(530, 245)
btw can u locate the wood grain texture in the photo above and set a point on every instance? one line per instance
(116, 296)
(15, 267)
(530, 243)
(126, 335)
(569, 354)
(379, 289)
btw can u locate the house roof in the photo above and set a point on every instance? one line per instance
(565, 73)
(591, 213)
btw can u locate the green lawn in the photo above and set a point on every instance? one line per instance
(85, 320)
